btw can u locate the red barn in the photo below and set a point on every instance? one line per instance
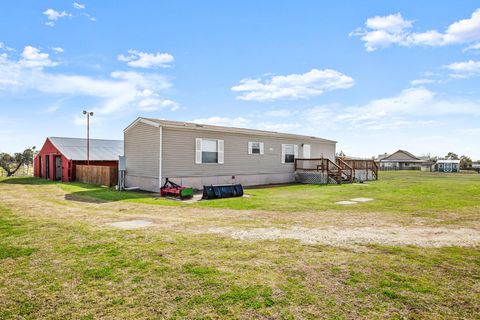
(59, 156)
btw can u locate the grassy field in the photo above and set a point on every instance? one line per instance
(394, 192)
(60, 259)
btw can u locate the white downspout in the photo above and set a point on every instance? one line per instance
(160, 158)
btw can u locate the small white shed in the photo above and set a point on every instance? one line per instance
(448, 165)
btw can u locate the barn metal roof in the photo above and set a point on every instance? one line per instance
(100, 149)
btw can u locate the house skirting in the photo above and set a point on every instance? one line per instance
(311, 177)
(151, 184)
(363, 175)
(144, 183)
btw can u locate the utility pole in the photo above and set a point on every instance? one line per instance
(88, 114)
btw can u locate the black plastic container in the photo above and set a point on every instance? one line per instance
(222, 191)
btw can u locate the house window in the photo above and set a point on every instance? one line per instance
(209, 151)
(289, 153)
(255, 148)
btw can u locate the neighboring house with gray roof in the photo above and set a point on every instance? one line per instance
(58, 156)
(195, 155)
(403, 160)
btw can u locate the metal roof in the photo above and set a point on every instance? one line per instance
(100, 150)
(448, 161)
(198, 126)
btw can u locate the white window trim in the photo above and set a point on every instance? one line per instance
(220, 151)
(261, 146)
(295, 152)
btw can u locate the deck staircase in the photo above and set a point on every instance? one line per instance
(338, 172)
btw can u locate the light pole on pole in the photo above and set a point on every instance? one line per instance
(88, 114)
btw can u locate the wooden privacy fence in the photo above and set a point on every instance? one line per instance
(103, 175)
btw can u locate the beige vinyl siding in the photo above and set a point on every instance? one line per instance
(178, 153)
(142, 145)
(319, 150)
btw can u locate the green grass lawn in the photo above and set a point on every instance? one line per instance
(57, 262)
(406, 192)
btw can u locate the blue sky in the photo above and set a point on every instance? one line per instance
(376, 76)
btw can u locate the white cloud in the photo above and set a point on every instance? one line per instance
(292, 127)
(225, 121)
(279, 113)
(147, 60)
(418, 82)
(408, 107)
(464, 69)
(241, 122)
(154, 104)
(78, 6)
(474, 47)
(117, 93)
(383, 31)
(3, 47)
(320, 114)
(53, 15)
(293, 86)
(57, 50)
(465, 30)
(33, 58)
(393, 23)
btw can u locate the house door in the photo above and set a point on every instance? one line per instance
(47, 167)
(306, 151)
(58, 168)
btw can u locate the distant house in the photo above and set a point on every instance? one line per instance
(59, 156)
(448, 165)
(403, 160)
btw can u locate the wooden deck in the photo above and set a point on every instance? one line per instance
(343, 170)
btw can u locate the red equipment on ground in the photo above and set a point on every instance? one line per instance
(172, 189)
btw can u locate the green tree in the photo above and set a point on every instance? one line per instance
(452, 156)
(11, 163)
(465, 162)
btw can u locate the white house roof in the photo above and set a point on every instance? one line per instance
(198, 126)
(100, 149)
(448, 161)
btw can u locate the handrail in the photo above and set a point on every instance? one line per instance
(350, 173)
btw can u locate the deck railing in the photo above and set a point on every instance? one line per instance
(323, 165)
(367, 165)
(340, 170)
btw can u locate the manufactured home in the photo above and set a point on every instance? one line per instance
(196, 155)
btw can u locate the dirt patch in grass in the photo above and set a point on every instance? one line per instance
(393, 235)
(131, 224)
